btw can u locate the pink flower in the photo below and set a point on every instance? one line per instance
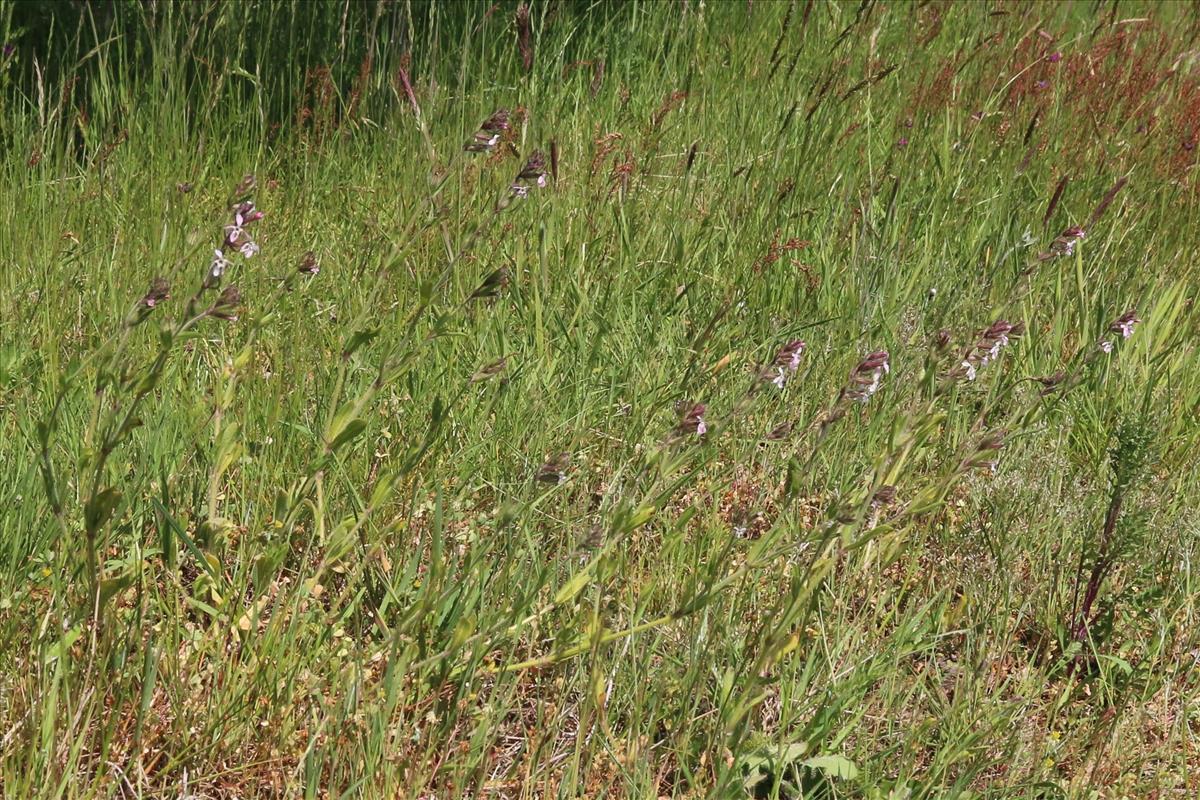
(692, 422)
(1125, 324)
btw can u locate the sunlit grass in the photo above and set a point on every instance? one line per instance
(753, 408)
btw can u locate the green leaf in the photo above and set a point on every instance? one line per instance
(639, 518)
(63, 646)
(834, 766)
(100, 508)
(348, 433)
(128, 425)
(110, 587)
(573, 587)
(344, 427)
(341, 542)
(358, 339)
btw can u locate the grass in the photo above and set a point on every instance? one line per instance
(453, 492)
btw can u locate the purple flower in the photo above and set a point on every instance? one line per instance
(1042, 84)
(236, 237)
(903, 142)
(245, 213)
(9, 49)
(1054, 57)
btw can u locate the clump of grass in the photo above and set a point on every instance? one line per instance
(726, 419)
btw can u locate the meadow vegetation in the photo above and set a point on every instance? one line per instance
(649, 399)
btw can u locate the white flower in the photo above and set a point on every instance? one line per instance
(701, 428)
(969, 370)
(872, 387)
(1106, 346)
(780, 378)
(249, 249)
(218, 266)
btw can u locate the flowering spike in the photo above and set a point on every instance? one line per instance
(866, 377)
(533, 173)
(488, 136)
(554, 470)
(159, 291)
(308, 264)
(1064, 245)
(1125, 324)
(692, 422)
(227, 305)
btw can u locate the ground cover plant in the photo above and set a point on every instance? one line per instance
(702, 399)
